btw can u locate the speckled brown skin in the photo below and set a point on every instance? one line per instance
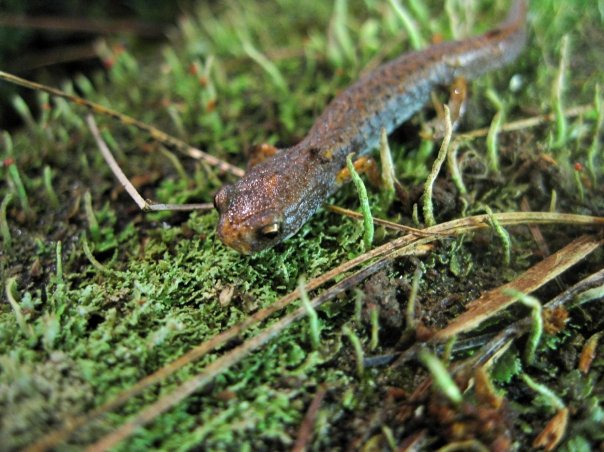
(276, 197)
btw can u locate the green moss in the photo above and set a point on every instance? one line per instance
(159, 284)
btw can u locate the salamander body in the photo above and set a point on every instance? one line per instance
(277, 196)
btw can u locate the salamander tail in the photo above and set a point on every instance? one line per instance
(516, 15)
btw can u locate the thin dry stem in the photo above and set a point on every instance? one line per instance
(526, 123)
(143, 204)
(155, 133)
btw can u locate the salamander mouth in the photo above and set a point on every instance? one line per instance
(235, 237)
(253, 233)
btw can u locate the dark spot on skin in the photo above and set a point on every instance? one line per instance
(492, 33)
(322, 156)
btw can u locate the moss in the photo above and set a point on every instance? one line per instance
(159, 284)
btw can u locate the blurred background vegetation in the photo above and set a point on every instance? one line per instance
(49, 41)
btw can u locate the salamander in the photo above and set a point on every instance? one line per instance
(276, 197)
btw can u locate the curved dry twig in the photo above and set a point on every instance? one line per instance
(154, 132)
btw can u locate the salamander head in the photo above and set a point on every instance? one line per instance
(251, 213)
(272, 200)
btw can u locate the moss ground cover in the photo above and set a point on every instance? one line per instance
(99, 295)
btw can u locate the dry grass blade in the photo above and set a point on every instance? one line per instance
(515, 219)
(494, 301)
(381, 222)
(527, 122)
(390, 249)
(154, 132)
(143, 204)
(305, 431)
(592, 281)
(497, 344)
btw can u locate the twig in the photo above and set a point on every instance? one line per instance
(592, 281)
(381, 222)
(306, 428)
(496, 300)
(522, 326)
(155, 133)
(533, 278)
(121, 177)
(526, 123)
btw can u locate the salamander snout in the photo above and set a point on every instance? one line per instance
(243, 227)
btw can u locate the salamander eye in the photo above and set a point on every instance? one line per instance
(270, 231)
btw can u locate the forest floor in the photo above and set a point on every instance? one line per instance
(142, 330)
